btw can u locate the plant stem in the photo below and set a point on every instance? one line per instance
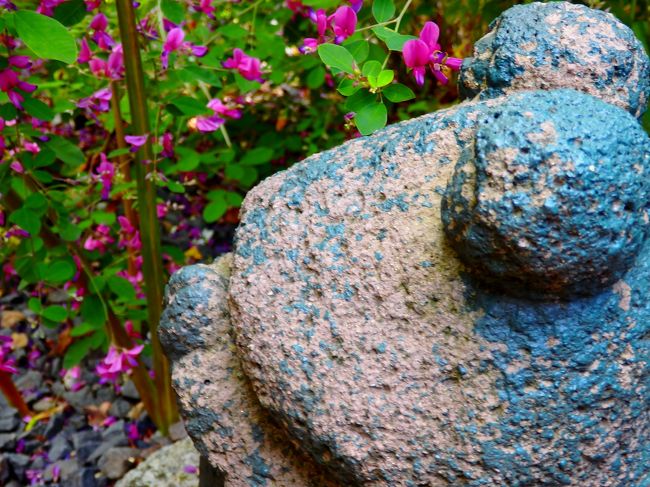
(149, 225)
(12, 394)
(125, 168)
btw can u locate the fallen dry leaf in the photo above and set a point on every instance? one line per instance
(11, 318)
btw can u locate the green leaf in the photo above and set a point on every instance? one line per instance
(77, 351)
(36, 202)
(35, 305)
(60, 271)
(103, 217)
(371, 118)
(69, 231)
(337, 57)
(92, 311)
(393, 40)
(257, 156)
(396, 43)
(82, 329)
(398, 92)
(55, 313)
(70, 13)
(37, 109)
(359, 100)
(233, 31)
(359, 50)
(174, 11)
(45, 36)
(188, 159)
(214, 210)
(385, 77)
(118, 152)
(316, 78)
(190, 106)
(122, 288)
(348, 87)
(8, 111)
(383, 10)
(27, 219)
(371, 68)
(65, 150)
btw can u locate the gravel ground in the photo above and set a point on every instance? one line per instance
(90, 435)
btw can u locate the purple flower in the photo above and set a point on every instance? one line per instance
(17, 166)
(167, 144)
(99, 24)
(191, 469)
(247, 66)
(206, 7)
(425, 52)
(136, 141)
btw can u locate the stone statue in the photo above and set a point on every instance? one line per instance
(457, 300)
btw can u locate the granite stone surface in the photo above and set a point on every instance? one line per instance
(457, 300)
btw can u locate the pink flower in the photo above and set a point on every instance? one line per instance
(115, 64)
(92, 4)
(20, 62)
(247, 66)
(425, 52)
(129, 236)
(167, 144)
(99, 24)
(105, 172)
(46, 7)
(17, 166)
(175, 42)
(344, 22)
(132, 432)
(161, 211)
(117, 362)
(7, 363)
(98, 101)
(213, 122)
(416, 57)
(99, 239)
(191, 469)
(72, 378)
(206, 7)
(132, 332)
(136, 141)
(9, 82)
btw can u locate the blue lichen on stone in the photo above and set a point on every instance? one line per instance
(556, 195)
(554, 45)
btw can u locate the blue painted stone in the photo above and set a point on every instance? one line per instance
(554, 198)
(559, 45)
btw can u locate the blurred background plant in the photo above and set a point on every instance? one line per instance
(132, 131)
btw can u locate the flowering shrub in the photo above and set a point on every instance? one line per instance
(130, 133)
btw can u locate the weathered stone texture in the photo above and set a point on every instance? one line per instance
(559, 45)
(347, 340)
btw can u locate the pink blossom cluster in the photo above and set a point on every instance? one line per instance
(425, 52)
(342, 24)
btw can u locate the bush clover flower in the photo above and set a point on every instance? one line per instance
(7, 363)
(99, 24)
(10, 82)
(105, 173)
(247, 66)
(213, 122)
(425, 52)
(99, 240)
(176, 42)
(343, 23)
(118, 361)
(136, 141)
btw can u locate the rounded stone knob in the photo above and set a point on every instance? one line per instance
(553, 198)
